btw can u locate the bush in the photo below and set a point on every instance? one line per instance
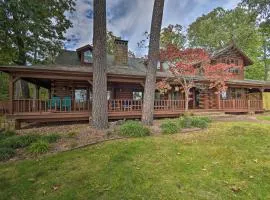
(39, 147)
(18, 141)
(188, 122)
(199, 123)
(7, 133)
(6, 153)
(133, 129)
(169, 127)
(51, 138)
(185, 122)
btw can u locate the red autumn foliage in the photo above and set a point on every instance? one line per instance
(218, 75)
(182, 64)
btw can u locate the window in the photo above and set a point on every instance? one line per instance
(232, 61)
(236, 62)
(80, 95)
(237, 93)
(137, 95)
(224, 95)
(87, 57)
(234, 70)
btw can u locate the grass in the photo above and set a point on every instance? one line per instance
(9, 141)
(264, 117)
(226, 161)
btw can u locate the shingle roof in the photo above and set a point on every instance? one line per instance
(135, 66)
(67, 58)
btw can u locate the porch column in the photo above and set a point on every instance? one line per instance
(218, 101)
(261, 102)
(36, 97)
(11, 94)
(37, 88)
(49, 93)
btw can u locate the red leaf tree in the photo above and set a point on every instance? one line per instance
(218, 75)
(182, 64)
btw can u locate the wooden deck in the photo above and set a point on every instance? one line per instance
(47, 111)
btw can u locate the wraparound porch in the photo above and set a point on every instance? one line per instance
(30, 110)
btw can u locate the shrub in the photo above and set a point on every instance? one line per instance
(18, 141)
(205, 118)
(199, 122)
(133, 129)
(169, 127)
(39, 147)
(7, 133)
(188, 122)
(51, 138)
(185, 122)
(6, 153)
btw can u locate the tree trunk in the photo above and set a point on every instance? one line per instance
(100, 103)
(150, 82)
(21, 85)
(186, 100)
(266, 68)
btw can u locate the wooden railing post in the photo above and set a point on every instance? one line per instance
(248, 105)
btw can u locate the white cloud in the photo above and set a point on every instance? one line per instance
(131, 18)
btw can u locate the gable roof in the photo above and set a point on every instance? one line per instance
(232, 48)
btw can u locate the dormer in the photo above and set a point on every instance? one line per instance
(85, 54)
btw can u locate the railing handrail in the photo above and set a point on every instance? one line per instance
(120, 105)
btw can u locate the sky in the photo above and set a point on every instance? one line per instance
(129, 19)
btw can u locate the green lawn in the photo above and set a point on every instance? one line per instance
(228, 161)
(264, 117)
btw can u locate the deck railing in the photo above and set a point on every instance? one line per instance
(32, 105)
(241, 104)
(119, 105)
(4, 107)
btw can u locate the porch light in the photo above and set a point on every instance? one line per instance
(176, 88)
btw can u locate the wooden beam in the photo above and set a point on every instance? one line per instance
(142, 84)
(15, 79)
(90, 82)
(11, 93)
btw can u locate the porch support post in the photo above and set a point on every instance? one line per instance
(36, 97)
(37, 88)
(11, 94)
(261, 102)
(218, 101)
(50, 93)
(194, 98)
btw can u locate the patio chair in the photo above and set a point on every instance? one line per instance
(66, 103)
(54, 103)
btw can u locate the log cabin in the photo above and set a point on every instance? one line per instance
(69, 85)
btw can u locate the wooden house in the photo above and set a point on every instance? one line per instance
(69, 85)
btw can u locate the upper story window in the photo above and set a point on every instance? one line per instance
(87, 57)
(234, 70)
(230, 61)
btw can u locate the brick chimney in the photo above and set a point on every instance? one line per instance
(121, 52)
